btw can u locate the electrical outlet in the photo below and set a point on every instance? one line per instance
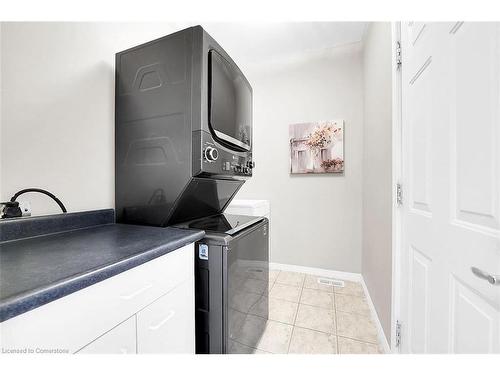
(25, 207)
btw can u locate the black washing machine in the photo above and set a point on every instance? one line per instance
(232, 278)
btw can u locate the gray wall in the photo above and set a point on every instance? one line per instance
(377, 170)
(315, 219)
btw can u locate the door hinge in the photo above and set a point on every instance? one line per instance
(398, 334)
(398, 55)
(399, 194)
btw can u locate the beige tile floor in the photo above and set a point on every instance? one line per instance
(305, 317)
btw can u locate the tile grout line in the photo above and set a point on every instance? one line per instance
(320, 291)
(329, 333)
(363, 297)
(268, 296)
(249, 313)
(336, 325)
(271, 320)
(296, 313)
(364, 316)
(358, 340)
(323, 308)
(351, 312)
(250, 347)
(355, 313)
(315, 330)
(261, 295)
(306, 304)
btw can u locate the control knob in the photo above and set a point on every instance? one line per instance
(211, 154)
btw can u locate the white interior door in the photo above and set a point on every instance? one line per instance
(451, 187)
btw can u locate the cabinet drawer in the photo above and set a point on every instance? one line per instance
(167, 325)
(77, 319)
(120, 340)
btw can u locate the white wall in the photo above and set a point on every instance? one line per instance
(58, 109)
(315, 219)
(377, 170)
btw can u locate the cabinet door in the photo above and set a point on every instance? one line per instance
(79, 318)
(120, 340)
(167, 325)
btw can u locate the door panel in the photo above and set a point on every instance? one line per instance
(451, 176)
(419, 301)
(474, 124)
(416, 30)
(473, 322)
(420, 138)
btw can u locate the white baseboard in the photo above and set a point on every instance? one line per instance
(349, 276)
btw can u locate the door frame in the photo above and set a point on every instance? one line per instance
(397, 157)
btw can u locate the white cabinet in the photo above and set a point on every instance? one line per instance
(85, 319)
(166, 326)
(120, 340)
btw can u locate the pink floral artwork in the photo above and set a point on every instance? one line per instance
(317, 147)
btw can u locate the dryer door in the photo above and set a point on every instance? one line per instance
(230, 103)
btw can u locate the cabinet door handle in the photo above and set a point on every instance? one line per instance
(137, 292)
(492, 279)
(163, 321)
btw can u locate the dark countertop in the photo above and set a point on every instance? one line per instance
(37, 270)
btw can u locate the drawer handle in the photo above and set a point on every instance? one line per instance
(162, 322)
(137, 292)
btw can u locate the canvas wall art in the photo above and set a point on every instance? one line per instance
(317, 147)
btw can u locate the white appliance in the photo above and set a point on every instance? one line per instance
(249, 207)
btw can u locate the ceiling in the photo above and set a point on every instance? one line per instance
(254, 43)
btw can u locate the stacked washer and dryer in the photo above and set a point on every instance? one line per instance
(183, 149)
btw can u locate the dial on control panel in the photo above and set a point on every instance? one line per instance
(211, 153)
